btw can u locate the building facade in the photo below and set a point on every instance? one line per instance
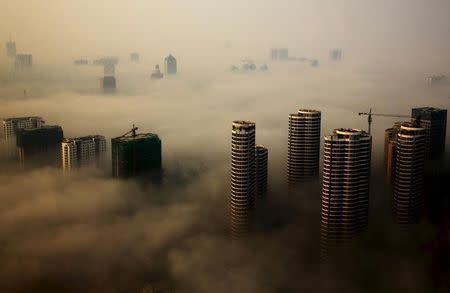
(242, 197)
(170, 65)
(82, 152)
(137, 155)
(408, 172)
(39, 147)
(303, 146)
(23, 61)
(345, 187)
(390, 141)
(261, 164)
(434, 120)
(12, 125)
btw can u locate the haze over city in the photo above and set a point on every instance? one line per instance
(97, 228)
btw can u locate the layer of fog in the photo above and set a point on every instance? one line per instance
(90, 232)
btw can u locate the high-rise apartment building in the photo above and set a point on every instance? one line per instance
(409, 157)
(12, 125)
(170, 65)
(82, 151)
(137, 155)
(242, 197)
(345, 187)
(303, 146)
(261, 164)
(434, 120)
(40, 147)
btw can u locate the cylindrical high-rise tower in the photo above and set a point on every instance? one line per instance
(303, 145)
(261, 158)
(242, 177)
(345, 187)
(410, 155)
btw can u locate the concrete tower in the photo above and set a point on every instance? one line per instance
(261, 163)
(242, 177)
(408, 176)
(303, 146)
(435, 122)
(345, 188)
(40, 147)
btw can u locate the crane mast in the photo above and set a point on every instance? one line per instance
(370, 114)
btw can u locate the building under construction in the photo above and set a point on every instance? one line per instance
(137, 155)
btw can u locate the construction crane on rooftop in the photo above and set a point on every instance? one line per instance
(132, 132)
(370, 114)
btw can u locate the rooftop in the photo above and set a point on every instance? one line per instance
(22, 118)
(87, 137)
(137, 137)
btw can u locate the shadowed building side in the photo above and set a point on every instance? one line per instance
(303, 146)
(40, 147)
(345, 187)
(261, 164)
(390, 140)
(137, 155)
(242, 197)
(434, 120)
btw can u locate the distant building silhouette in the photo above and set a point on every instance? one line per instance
(283, 54)
(303, 146)
(23, 61)
(156, 73)
(108, 83)
(345, 187)
(82, 152)
(170, 65)
(336, 55)
(40, 147)
(434, 120)
(135, 57)
(11, 49)
(242, 198)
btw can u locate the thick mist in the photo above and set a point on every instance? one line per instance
(91, 233)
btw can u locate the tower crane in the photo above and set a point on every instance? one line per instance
(132, 132)
(370, 114)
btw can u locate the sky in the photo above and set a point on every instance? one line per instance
(91, 233)
(55, 30)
